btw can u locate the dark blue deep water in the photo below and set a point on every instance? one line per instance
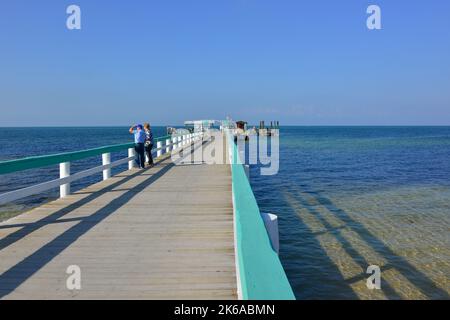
(346, 198)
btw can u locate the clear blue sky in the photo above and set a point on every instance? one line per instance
(300, 62)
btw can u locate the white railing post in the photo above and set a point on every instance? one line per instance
(106, 159)
(173, 143)
(247, 171)
(131, 163)
(167, 145)
(271, 223)
(64, 171)
(159, 149)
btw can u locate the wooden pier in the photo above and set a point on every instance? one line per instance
(174, 231)
(160, 233)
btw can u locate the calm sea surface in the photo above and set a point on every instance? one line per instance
(346, 198)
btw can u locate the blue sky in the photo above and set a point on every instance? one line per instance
(299, 62)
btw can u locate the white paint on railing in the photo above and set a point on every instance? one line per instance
(174, 143)
(247, 171)
(159, 149)
(271, 223)
(106, 159)
(167, 145)
(25, 192)
(131, 163)
(64, 171)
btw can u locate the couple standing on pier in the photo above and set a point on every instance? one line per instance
(143, 143)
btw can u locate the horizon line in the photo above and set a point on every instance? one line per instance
(249, 125)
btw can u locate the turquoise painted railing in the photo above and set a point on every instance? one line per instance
(47, 160)
(261, 274)
(163, 145)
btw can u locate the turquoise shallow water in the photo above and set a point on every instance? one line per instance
(346, 197)
(350, 197)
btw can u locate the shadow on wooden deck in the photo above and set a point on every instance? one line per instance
(19, 273)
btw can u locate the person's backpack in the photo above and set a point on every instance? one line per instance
(148, 138)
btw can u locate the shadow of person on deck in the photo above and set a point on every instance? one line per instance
(19, 273)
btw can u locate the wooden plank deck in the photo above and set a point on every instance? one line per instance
(160, 233)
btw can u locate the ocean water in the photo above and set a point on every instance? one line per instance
(350, 197)
(346, 198)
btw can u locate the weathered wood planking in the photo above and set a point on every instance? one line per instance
(166, 232)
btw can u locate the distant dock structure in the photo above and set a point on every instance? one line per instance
(268, 131)
(167, 232)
